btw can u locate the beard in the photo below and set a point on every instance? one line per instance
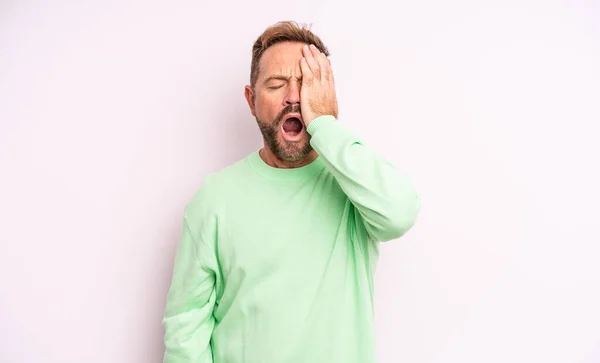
(284, 150)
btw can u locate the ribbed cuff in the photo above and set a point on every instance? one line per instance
(318, 122)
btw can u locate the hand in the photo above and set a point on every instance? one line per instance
(317, 95)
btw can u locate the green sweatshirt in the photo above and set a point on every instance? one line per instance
(276, 265)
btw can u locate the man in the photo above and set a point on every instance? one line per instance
(276, 258)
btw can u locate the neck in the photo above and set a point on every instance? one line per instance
(272, 160)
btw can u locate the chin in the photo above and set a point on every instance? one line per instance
(294, 151)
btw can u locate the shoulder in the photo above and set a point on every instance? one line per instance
(217, 187)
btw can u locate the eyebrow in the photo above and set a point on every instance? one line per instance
(278, 77)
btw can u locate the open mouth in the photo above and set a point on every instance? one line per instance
(292, 126)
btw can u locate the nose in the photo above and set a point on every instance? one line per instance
(293, 94)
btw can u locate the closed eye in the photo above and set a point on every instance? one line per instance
(276, 87)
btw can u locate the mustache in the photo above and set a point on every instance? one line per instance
(289, 109)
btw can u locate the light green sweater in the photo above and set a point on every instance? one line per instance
(276, 265)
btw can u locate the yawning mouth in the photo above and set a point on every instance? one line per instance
(292, 126)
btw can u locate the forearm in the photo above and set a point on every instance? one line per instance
(385, 197)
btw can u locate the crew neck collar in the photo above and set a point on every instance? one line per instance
(299, 174)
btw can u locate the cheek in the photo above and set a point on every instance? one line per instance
(266, 108)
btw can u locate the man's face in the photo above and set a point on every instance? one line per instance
(275, 102)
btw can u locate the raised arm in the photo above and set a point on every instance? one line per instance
(384, 197)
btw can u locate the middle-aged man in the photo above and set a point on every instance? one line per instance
(277, 252)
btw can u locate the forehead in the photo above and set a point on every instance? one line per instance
(281, 58)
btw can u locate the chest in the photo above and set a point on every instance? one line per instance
(281, 229)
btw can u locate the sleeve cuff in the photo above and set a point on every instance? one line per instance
(318, 122)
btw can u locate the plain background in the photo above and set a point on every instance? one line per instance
(112, 112)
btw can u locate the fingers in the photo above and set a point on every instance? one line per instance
(316, 63)
(307, 76)
(313, 64)
(324, 65)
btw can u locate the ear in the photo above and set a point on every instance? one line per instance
(249, 94)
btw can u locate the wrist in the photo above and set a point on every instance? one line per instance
(318, 122)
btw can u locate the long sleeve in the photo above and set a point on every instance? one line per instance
(384, 197)
(188, 318)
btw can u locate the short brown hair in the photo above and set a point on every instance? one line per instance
(283, 31)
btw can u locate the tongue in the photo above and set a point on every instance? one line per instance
(293, 125)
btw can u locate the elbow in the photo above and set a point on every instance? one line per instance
(402, 218)
(403, 224)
